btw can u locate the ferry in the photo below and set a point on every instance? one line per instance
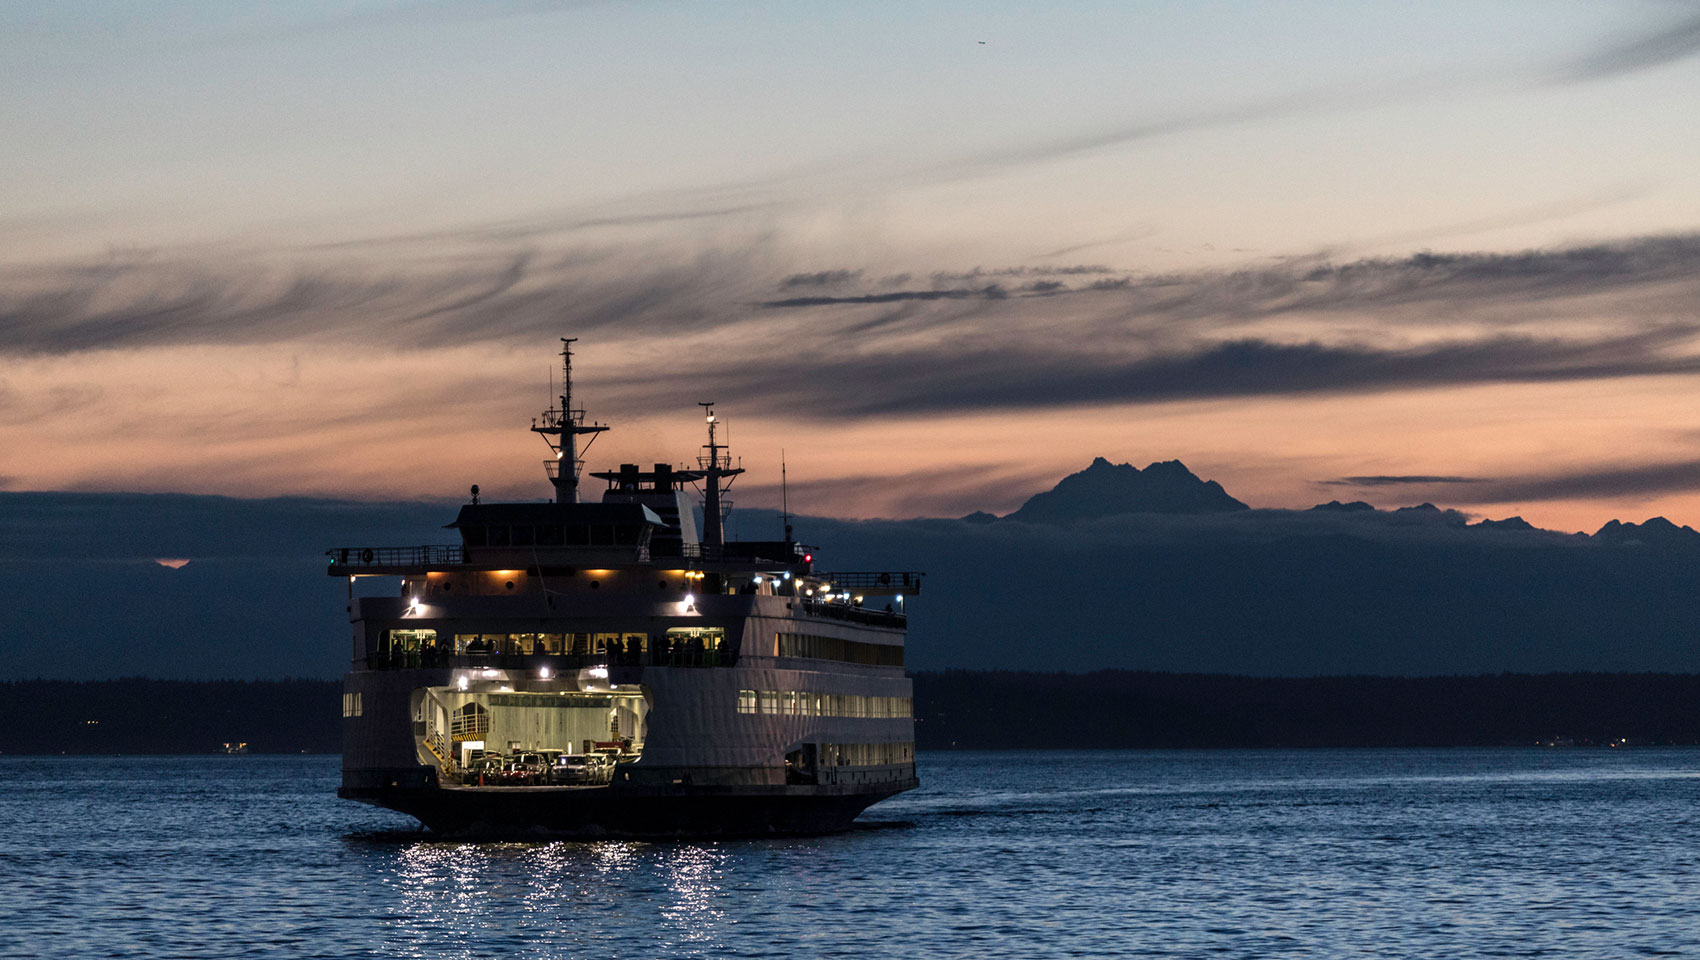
(606, 668)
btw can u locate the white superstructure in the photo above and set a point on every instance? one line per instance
(606, 668)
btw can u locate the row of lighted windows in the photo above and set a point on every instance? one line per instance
(844, 651)
(351, 706)
(411, 641)
(865, 754)
(805, 703)
(553, 535)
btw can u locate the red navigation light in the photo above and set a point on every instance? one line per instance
(808, 558)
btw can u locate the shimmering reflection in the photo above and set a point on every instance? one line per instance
(1185, 854)
(554, 896)
(693, 880)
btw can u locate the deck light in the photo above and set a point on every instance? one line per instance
(542, 673)
(900, 598)
(690, 598)
(599, 673)
(463, 682)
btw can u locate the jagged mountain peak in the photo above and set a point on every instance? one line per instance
(1654, 531)
(1106, 489)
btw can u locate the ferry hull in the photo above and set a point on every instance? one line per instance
(671, 812)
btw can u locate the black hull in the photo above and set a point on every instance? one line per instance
(610, 812)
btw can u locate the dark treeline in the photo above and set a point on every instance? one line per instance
(1118, 708)
(961, 709)
(171, 716)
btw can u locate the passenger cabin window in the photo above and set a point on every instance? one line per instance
(833, 648)
(521, 537)
(498, 536)
(695, 647)
(474, 536)
(549, 536)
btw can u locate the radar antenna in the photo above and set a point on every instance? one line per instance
(715, 464)
(784, 497)
(561, 427)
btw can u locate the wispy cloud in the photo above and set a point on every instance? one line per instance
(931, 492)
(1602, 482)
(1674, 40)
(963, 379)
(1393, 481)
(1058, 336)
(1633, 480)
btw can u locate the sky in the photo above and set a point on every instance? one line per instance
(935, 255)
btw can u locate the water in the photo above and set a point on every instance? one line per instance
(1451, 853)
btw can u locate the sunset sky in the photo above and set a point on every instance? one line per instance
(939, 254)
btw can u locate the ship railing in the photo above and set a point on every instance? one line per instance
(839, 610)
(658, 652)
(876, 581)
(440, 750)
(754, 553)
(355, 558)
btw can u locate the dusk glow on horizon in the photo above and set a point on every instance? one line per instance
(1445, 253)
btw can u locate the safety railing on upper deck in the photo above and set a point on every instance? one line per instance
(429, 555)
(839, 610)
(867, 581)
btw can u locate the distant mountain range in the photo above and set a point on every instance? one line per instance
(1114, 567)
(1106, 489)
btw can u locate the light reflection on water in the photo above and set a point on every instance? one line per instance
(1324, 853)
(552, 894)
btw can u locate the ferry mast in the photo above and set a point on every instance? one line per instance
(714, 465)
(560, 427)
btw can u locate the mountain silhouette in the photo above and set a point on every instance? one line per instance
(1105, 489)
(1509, 523)
(1655, 532)
(1264, 592)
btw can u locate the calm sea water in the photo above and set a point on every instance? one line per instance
(1454, 853)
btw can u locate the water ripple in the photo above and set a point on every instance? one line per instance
(1152, 854)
